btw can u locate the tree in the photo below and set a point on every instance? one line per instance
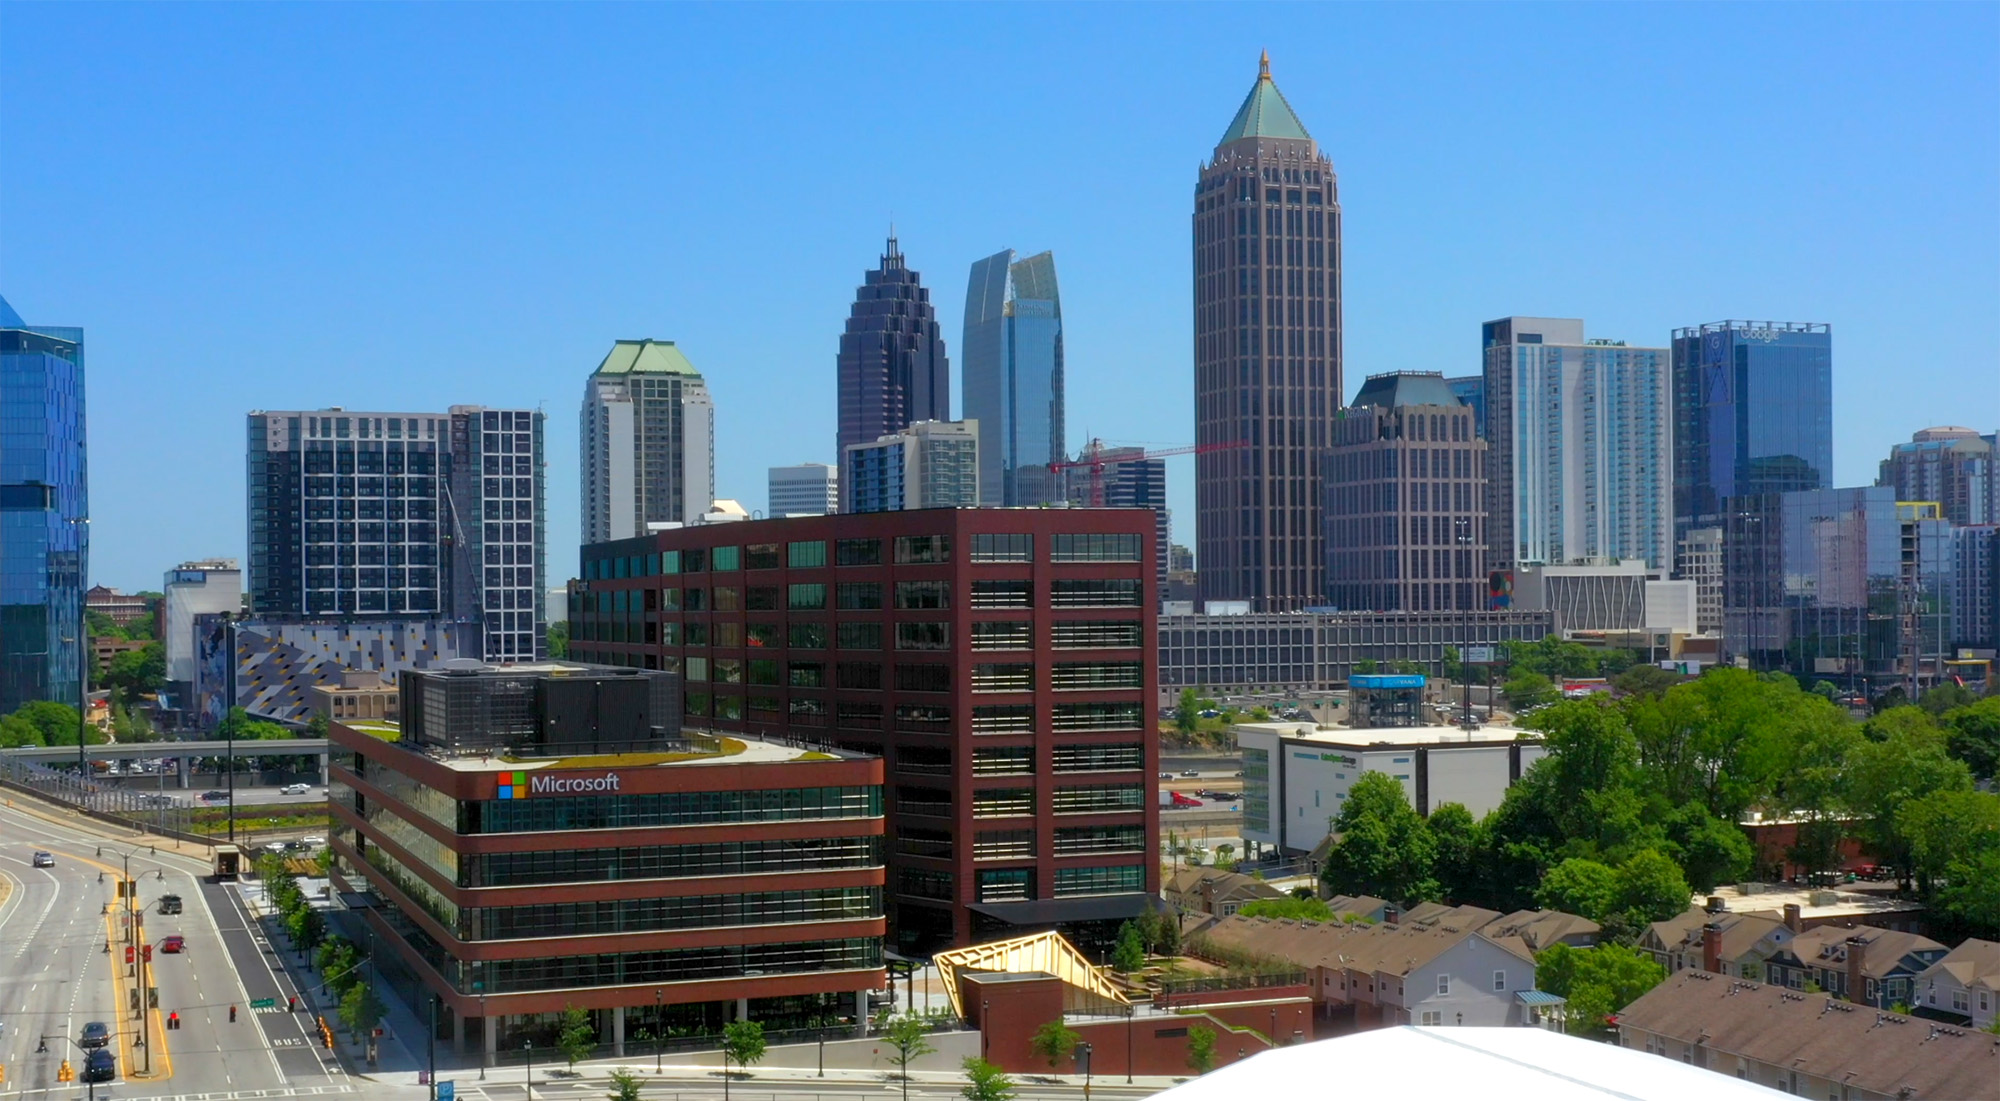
(1651, 888)
(1130, 954)
(1456, 866)
(578, 1034)
(1187, 715)
(1954, 839)
(558, 637)
(1708, 849)
(1946, 697)
(985, 1082)
(136, 672)
(1201, 1049)
(742, 1041)
(17, 731)
(1597, 982)
(1972, 734)
(360, 1009)
(1644, 680)
(1384, 849)
(1907, 763)
(1583, 887)
(624, 1085)
(1055, 1041)
(1529, 689)
(316, 726)
(1292, 909)
(909, 1036)
(56, 722)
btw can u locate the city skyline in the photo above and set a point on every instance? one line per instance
(440, 290)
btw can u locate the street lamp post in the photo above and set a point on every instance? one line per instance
(529, 1047)
(229, 725)
(659, 1028)
(1131, 1011)
(431, 1052)
(82, 525)
(485, 1030)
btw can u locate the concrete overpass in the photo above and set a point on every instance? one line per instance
(181, 751)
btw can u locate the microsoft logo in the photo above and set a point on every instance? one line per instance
(513, 785)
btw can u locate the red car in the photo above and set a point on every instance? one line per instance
(174, 944)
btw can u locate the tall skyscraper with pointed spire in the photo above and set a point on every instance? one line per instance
(893, 368)
(1266, 355)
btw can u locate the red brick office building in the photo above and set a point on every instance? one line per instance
(666, 882)
(999, 660)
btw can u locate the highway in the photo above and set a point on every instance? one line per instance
(55, 975)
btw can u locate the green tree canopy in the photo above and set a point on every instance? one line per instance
(1597, 981)
(1201, 1049)
(1384, 848)
(1973, 736)
(578, 1034)
(138, 672)
(1651, 888)
(1055, 1042)
(1579, 886)
(743, 1041)
(1907, 762)
(55, 722)
(1293, 909)
(1528, 689)
(1130, 953)
(985, 1082)
(1458, 841)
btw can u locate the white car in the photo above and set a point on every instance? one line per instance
(313, 842)
(294, 789)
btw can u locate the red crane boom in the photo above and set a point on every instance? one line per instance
(1095, 460)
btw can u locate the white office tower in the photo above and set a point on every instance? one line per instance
(192, 589)
(808, 489)
(648, 441)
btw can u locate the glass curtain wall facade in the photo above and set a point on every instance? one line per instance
(1753, 413)
(1582, 450)
(1012, 363)
(892, 362)
(44, 512)
(1267, 331)
(1814, 583)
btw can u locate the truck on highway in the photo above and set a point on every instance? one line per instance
(1173, 799)
(228, 861)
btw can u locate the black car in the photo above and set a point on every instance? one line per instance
(212, 796)
(170, 904)
(99, 1067)
(96, 1034)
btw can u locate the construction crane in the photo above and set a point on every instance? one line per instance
(1094, 458)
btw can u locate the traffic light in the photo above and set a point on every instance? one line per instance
(64, 1073)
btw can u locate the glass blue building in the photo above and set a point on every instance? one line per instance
(1013, 377)
(1840, 584)
(1753, 413)
(44, 512)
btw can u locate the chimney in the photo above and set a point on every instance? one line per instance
(1391, 915)
(1711, 948)
(1857, 980)
(1715, 905)
(1792, 919)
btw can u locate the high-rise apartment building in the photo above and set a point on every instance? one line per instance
(44, 512)
(807, 489)
(892, 362)
(1581, 464)
(1698, 558)
(396, 516)
(930, 464)
(1000, 660)
(205, 587)
(1406, 499)
(1956, 467)
(1753, 413)
(1012, 372)
(1267, 333)
(1975, 606)
(648, 441)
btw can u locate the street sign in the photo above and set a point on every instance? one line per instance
(263, 1003)
(446, 1090)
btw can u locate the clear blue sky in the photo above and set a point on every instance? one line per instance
(404, 206)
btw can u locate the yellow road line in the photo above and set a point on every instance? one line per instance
(165, 1069)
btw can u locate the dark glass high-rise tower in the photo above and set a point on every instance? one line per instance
(1266, 355)
(893, 368)
(1753, 414)
(44, 512)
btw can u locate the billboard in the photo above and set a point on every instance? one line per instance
(1500, 590)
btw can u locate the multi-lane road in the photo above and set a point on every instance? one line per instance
(56, 975)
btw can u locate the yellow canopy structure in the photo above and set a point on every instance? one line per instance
(1044, 952)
